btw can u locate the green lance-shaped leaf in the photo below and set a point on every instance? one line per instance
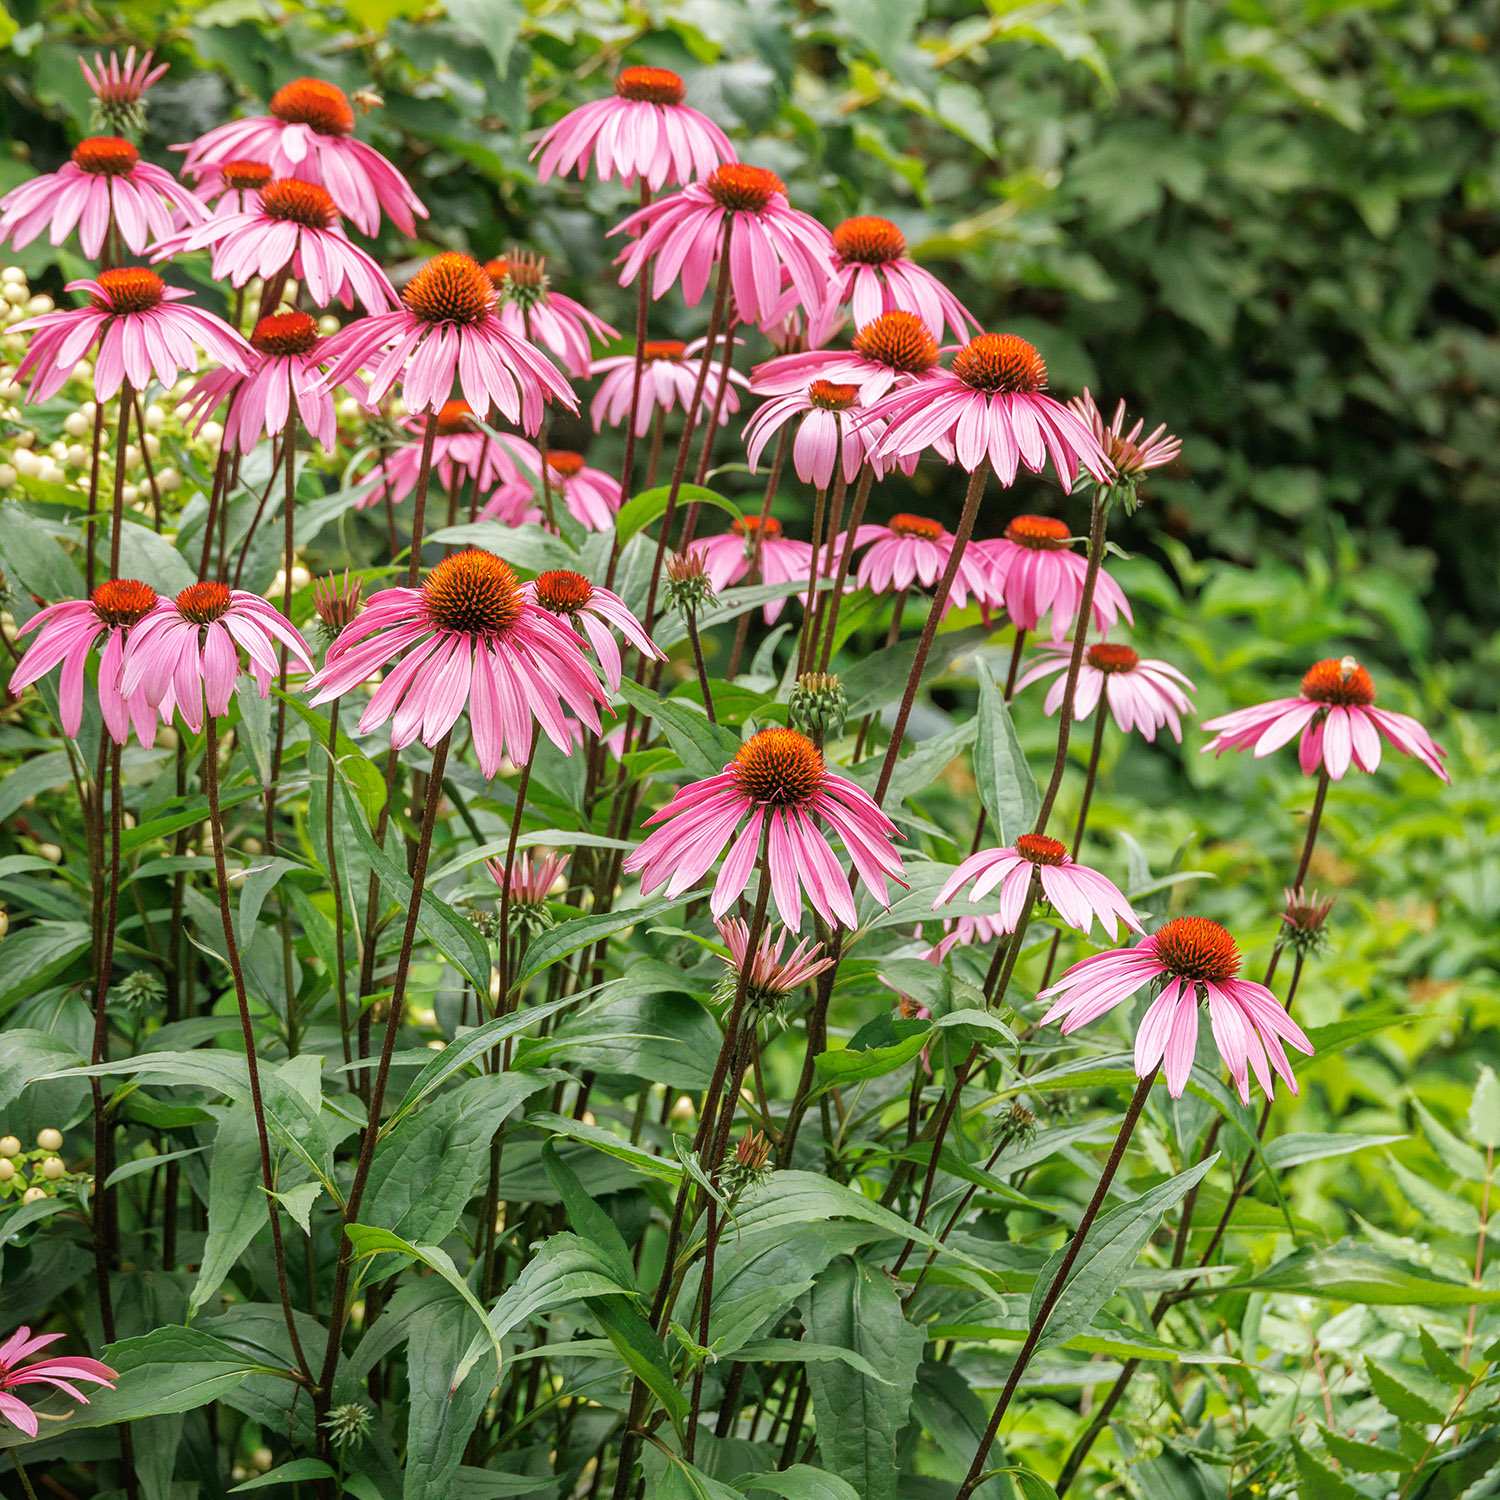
(1007, 788)
(1113, 1244)
(854, 1306)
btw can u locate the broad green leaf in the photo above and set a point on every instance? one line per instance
(369, 1240)
(1299, 1147)
(1351, 1272)
(565, 1269)
(568, 937)
(1363, 1458)
(37, 954)
(1440, 1364)
(1484, 1109)
(1317, 1480)
(1111, 1249)
(28, 1054)
(453, 937)
(641, 510)
(443, 1412)
(168, 1370)
(802, 1350)
(469, 1048)
(703, 748)
(880, 679)
(1007, 788)
(587, 1218)
(287, 1473)
(1396, 1388)
(800, 1482)
(854, 1306)
(643, 1352)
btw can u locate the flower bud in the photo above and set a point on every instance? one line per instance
(688, 586)
(33, 1195)
(75, 424)
(7, 1170)
(819, 704)
(10, 1146)
(53, 1167)
(49, 1139)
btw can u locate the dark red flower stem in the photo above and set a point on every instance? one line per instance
(642, 310)
(977, 1471)
(371, 1132)
(247, 1031)
(836, 593)
(661, 1305)
(117, 510)
(929, 630)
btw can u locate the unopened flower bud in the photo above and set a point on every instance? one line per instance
(10, 1146)
(53, 1167)
(337, 603)
(349, 1424)
(1303, 917)
(819, 704)
(33, 1195)
(49, 1139)
(688, 585)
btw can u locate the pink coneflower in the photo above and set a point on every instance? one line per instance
(310, 134)
(780, 559)
(873, 273)
(59, 1372)
(527, 884)
(771, 978)
(68, 632)
(780, 776)
(991, 405)
(446, 331)
(594, 613)
(911, 550)
(1129, 452)
(827, 437)
(894, 350)
(684, 235)
(1337, 718)
(105, 181)
(189, 647)
(459, 449)
(645, 130)
(532, 310)
(142, 327)
(118, 89)
(962, 932)
(591, 495)
(293, 224)
(467, 638)
(1140, 694)
(1034, 571)
(233, 187)
(1195, 959)
(668, 378)
(1077, 893)
(289, 363)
